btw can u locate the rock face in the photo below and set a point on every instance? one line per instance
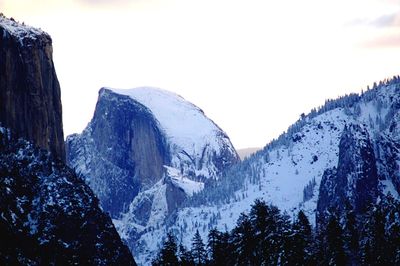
(355, 180)
(48, 215)
(30, 103)
(145, 151)
(121, 152)
(388, 153)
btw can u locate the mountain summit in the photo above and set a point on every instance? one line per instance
(145, 152)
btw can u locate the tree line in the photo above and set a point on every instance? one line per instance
(265, 236)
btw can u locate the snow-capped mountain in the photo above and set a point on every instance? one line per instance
(349, 146)
(144, 153)
(353, 141)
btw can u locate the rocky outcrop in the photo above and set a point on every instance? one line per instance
(388, 153)
(355, 180)
(30, 102)
(121, 152)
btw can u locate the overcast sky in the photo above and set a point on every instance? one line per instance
(252, 66)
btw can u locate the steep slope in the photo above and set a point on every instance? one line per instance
(48, 215)
(30, 102)
(144, 153)
(288, 172)
(355, 180)
(198, 147)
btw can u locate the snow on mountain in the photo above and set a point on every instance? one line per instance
(189, 186)
(20, 31)
(189, 132)
(48, 214)
(145, 152)
(288, 171)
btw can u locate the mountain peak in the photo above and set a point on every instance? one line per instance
(21, 31)
(188, 131)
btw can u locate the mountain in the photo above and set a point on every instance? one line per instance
(29, 88)
(344, 152)
(144, 153)
(48, 215)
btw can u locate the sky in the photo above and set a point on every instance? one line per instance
(253, 66)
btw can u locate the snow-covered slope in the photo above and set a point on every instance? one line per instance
(20, 31)
(48, 215)
(145, 152)
(193, 138)
(288, 171)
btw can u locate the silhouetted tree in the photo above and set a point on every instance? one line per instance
(167, 255)
(198, 250)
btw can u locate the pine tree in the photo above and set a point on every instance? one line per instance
(376, 235)
(185, 257)
(219, 248)
(198, 250)
(351, 234)
(243, 241)
(167, 255)
(213, 244)
(334, 241)
(270, 231)
(300, 241)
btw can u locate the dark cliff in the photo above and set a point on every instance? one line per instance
(48, 215)
(355, 179)
(30, 102)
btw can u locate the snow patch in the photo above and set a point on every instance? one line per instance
(189, 186)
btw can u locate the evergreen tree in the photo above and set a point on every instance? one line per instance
(198, 250)
(243, 241)
(334, 241)
(300, 252)
(167, 255)
(214, 246)
(391, 211)
(351, 234)
(185, 257)
(376, 236)
(270, 231)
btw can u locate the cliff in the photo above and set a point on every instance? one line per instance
(48, 215)
(144, 153)
(355, 179)
(121, 151)
(30, 102)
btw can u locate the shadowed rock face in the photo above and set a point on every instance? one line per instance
(144, 156)
(48, 215)
(30, 102)
(355, 180)
(123, 148)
